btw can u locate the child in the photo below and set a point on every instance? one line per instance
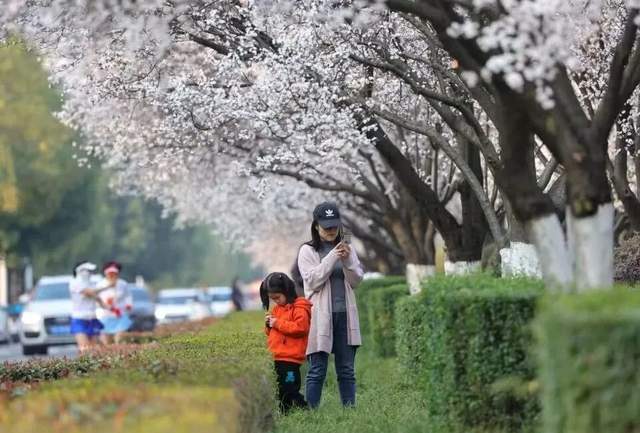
(287, 328)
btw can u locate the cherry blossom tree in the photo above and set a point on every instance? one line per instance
(352, 98)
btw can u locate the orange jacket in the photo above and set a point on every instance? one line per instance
(287, 340)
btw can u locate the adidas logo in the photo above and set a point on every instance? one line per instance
(328, 213)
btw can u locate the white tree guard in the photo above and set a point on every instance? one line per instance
(593, 246)
(416, 273)
(461, 268)
(520, 259)
(548, 237)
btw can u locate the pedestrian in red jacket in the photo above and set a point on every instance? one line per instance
(287, 328)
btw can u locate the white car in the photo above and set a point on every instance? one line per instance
(46, 319)
(5, 333)
(220, 298)
(180, 305)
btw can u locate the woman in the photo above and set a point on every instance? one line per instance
(116, 304)
(84, 325)
(330, 270)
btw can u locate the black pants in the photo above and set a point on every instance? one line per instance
(289, 385)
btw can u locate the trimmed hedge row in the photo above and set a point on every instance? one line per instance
(220, 379)
(381, 308)
(466, 340)
(363, 296)
(589, 362)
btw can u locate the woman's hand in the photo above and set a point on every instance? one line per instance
(343, 250)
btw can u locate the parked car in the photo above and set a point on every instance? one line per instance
(46, 319)
(177, 305)
(14, 311)
(5, 333)
(220, 299)
(143, 313)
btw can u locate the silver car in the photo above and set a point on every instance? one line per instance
(46, 318)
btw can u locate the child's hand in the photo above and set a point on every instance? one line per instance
(267, 316)
(272, 321)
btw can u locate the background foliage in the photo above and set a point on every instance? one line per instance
(54, 211)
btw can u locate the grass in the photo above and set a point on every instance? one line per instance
(386, 403)
(218, 380)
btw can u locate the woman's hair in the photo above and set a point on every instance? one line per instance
(296, 276)
(277, 282)
(117, 265)
(81, 262)
(316, 241)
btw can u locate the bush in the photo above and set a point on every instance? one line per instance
(363, 292)
(589, 353)
(627, 260)
(411, 337)
(381, 308)
(472, 350)
(220, 379)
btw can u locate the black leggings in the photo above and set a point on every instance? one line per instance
(289, 386)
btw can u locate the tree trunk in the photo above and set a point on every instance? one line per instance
(462, 267)
(416, 273)
(546, 234)
(590, 215)
(465, 245)
(621, 185)
(519, 183)
(520, 258)
(592, 246)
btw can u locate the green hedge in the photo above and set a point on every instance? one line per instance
(218, 380)
(589, 362)
(381, 309)
(468, 339)
(411, 337)
(363, 295)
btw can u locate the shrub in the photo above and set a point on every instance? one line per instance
(381, 317)
(39, 370)
(220, 379)
(411, 337)
(472, 349)
(588, 347)
(363, 292)
(627, 260)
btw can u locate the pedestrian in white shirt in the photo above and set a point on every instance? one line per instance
(84, 325)
(117, 303)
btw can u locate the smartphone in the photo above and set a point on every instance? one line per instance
(346, 236)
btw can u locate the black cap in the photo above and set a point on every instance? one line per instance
(327, 215)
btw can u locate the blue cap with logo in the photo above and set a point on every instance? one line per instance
(327, 215)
